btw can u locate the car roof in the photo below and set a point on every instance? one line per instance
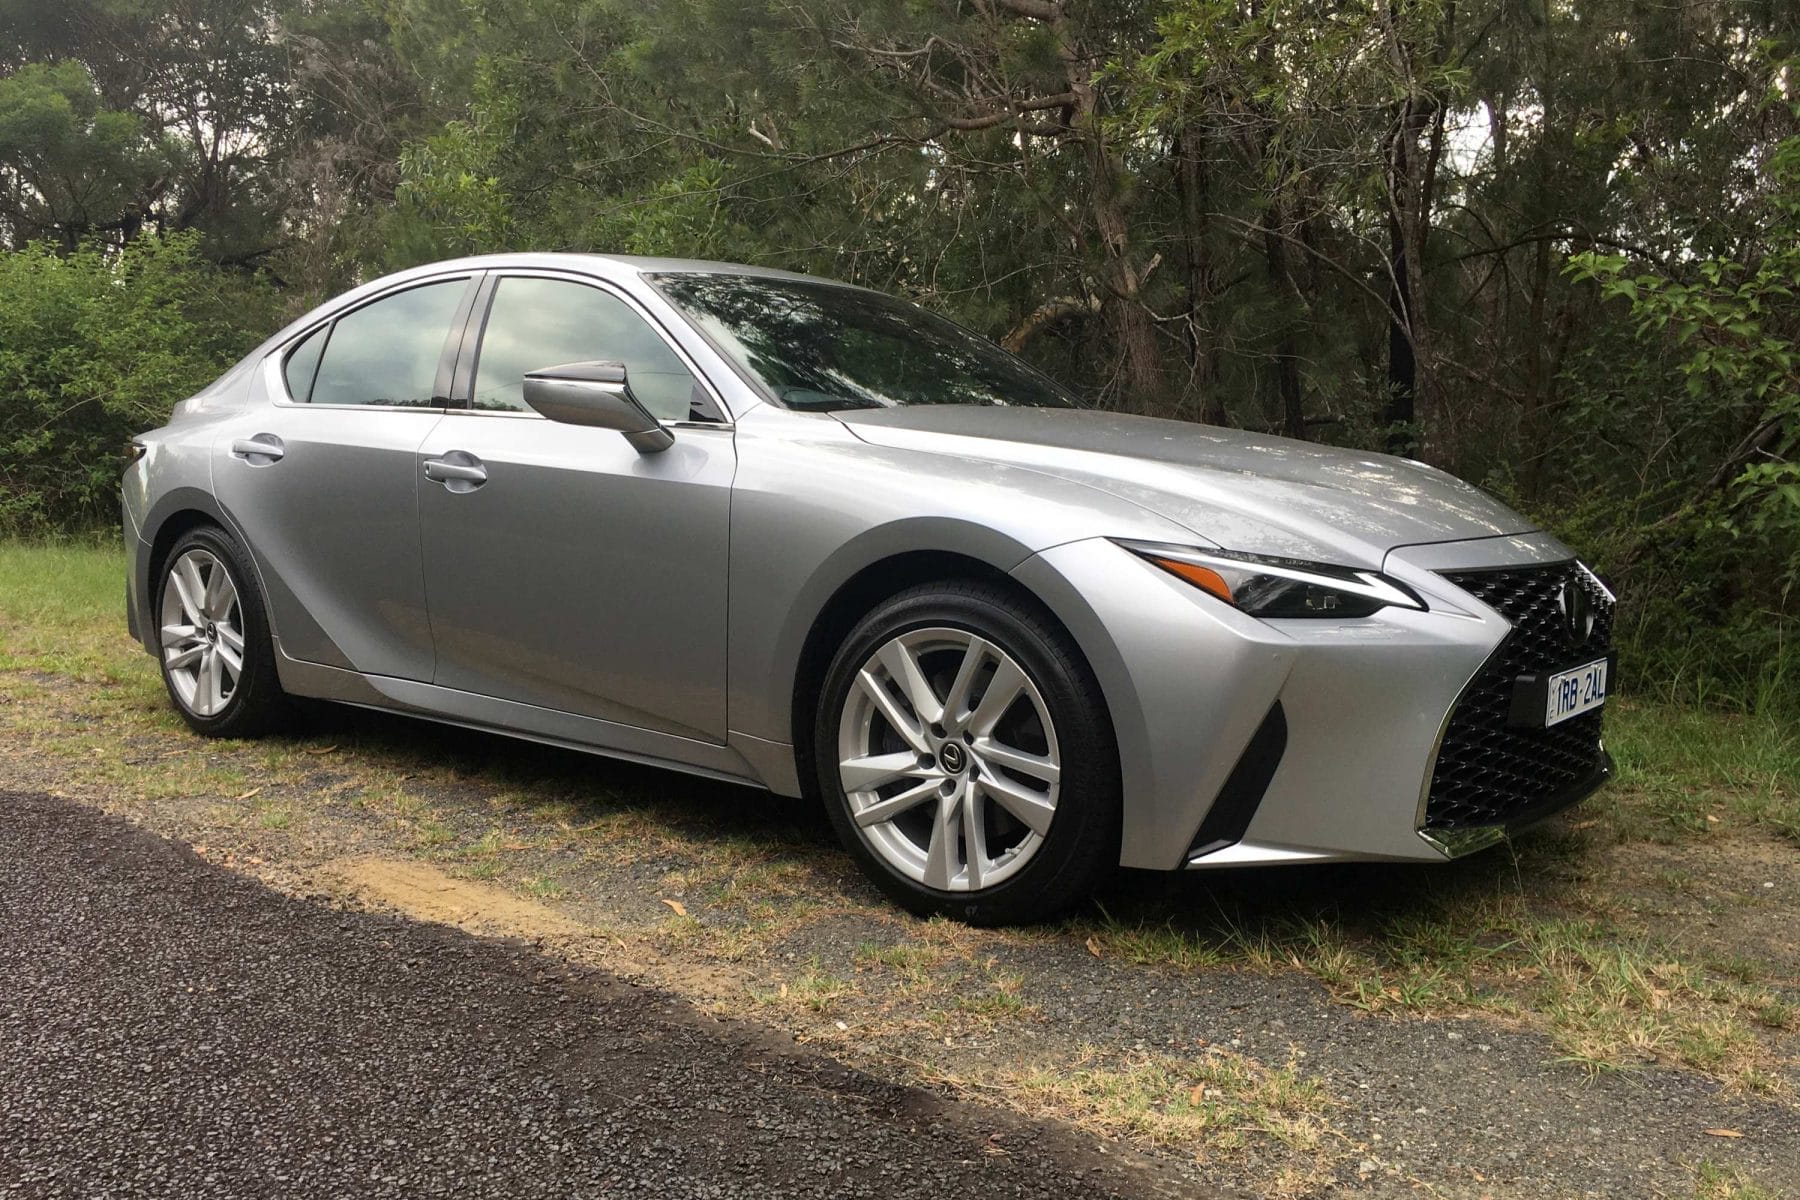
(610, 264)
(604, 266)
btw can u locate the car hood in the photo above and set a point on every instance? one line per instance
(1245, 491)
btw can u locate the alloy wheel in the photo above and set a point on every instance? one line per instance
(202, 633)
(949, 758)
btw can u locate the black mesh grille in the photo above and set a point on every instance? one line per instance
(1488, 773)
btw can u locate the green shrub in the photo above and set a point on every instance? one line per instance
(96, 346)
(1709, 552)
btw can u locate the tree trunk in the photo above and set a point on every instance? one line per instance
(1410, 368)
(1400, 415)
(1193, 189)
(1140, 374)
(1410, 174)
(1287, 349)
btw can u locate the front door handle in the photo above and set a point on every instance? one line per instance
(259, 450)
(458, 471)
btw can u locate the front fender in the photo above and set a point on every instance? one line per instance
(813, 507)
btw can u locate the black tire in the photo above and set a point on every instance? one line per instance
(1081, 846)
(256, 705)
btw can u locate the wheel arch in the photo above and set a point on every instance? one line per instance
(173, 515)
(867, 587)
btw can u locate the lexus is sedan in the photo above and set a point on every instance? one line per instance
(771, 529)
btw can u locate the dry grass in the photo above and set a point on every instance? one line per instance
(1208, 1104)
(1610, 999)
(1715, 1182)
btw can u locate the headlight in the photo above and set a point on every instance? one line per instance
(1280, 587)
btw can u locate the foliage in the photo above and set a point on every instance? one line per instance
(1723, 562)
(97, 345)
(1352, 222)
(87, 166)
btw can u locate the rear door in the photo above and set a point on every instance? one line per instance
(565, 569)
(323, 478)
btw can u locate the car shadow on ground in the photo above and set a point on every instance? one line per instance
(1239, 906)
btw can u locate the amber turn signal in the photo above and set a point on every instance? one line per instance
(1201, 577)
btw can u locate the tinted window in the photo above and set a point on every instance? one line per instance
(823, 346)
(538, 323)
(302, 361)
(387, 352)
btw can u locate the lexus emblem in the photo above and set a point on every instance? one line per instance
(1577, 610)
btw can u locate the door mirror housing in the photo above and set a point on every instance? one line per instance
(597, 394)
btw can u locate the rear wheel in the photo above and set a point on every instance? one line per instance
(966, 758)
(218, 661)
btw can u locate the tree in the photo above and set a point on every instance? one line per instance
(177, 118)
(69, 168)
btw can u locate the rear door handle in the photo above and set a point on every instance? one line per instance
(458, 471)
(259, 450)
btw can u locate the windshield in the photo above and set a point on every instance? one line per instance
(822, 346)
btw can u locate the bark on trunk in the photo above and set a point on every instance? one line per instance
(1401, 414)
(1193, 188)
(1287, 349)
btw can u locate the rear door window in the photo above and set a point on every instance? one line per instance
(387, 353)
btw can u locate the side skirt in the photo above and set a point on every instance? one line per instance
(549, 727)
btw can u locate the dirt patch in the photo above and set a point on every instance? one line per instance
(1731, 894)
(425, 893)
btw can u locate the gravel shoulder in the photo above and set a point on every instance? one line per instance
(172, 1028)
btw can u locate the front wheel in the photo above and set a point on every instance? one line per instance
(966, 757)
(218, 661)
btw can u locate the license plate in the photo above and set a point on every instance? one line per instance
(1573, 692)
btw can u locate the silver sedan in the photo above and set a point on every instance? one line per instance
(767, 528)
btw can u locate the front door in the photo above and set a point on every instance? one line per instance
(564, 569)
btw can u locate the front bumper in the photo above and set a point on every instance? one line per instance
(1454, 843)
(1261, 742)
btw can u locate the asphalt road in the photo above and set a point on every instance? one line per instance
(169, 1028)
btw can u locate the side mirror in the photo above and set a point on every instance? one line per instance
(597, 394)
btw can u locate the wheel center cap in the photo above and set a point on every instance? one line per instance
(952, 758)
(212, 632)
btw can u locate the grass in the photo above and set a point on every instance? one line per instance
(1692, 770)
(62, 606)
(1199, 1105)
(815, 990)
(1609, 998)
(1715, 1182)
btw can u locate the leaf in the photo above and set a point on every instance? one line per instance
(322, 749)
(1197, 1095)
(678, 906)
(1093, 946)
(246, 795)
(1724, 1133)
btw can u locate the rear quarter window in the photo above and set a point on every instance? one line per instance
(303, 363)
